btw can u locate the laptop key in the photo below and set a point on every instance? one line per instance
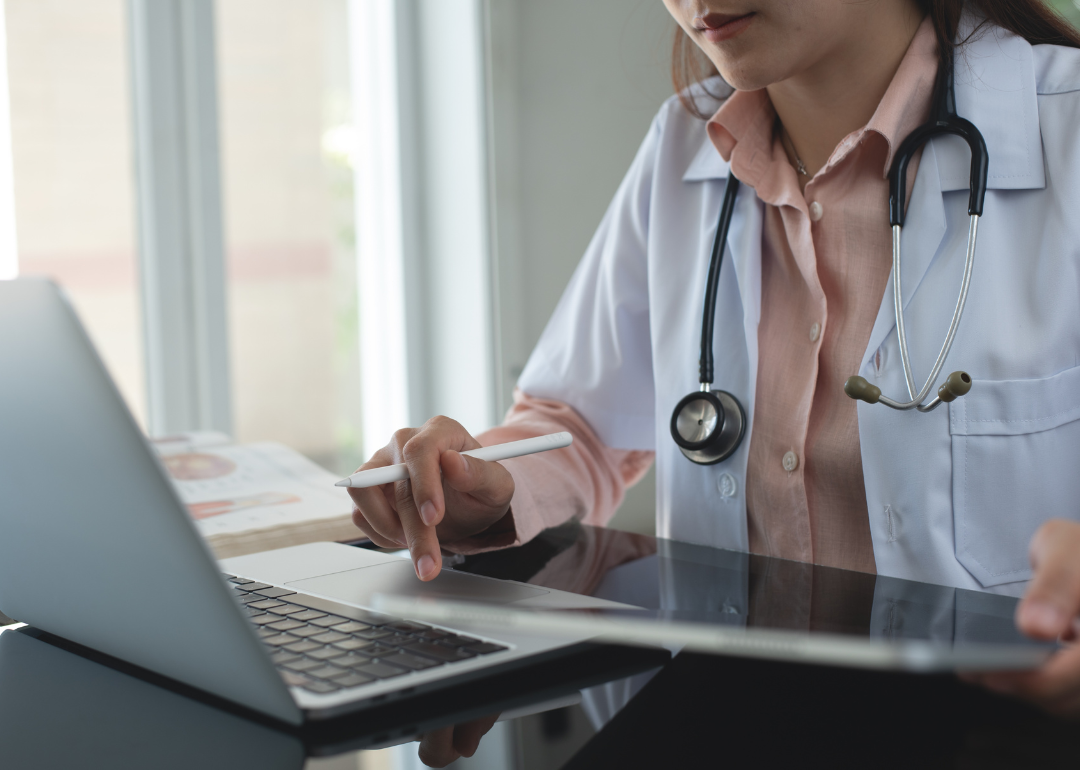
(307, 615)
(406, 627)
(301, 647)
(439, 651)
(414, 662)
(322, 687)
(279, 640)
(326, 672)
(352, 679)
(433, 633)
(380, 671)
(281, 657)
(286, 609)
(303, 664)
(262, 620)
(273, 593)
(456, 640)
(485, 648)
(330, 620)
(373, 633)
(350, 627)
(352, 644)
(307, 631)
(328, 637)
(295, 680)
(227, 576)
(377, 650)
(326, 653)
(249, 599)
(352, 660)
(286, 625)
(250, 586)
(266, 604)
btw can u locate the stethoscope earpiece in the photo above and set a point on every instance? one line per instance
(708, 426)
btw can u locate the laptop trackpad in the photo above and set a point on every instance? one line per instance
(358, 586)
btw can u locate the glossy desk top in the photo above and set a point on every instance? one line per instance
(605, 705)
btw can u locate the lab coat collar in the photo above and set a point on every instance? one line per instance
(707, 163)
(995, 90)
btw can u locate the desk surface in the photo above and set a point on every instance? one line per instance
(605, 706)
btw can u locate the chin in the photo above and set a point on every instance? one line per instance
(745, 77)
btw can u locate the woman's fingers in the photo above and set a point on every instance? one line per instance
(373, 509)
(422, 453)
(467, 736)
(488, 482)
(437, 747)
(420, 538)
(1055, 687)
(372, 534)
(406, 513)
(1052, 599)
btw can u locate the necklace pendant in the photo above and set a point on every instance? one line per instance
(801, 167)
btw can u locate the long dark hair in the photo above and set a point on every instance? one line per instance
(1032, 20)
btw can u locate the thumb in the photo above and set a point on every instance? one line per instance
(1052, 599)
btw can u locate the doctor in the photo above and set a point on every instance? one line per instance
(822, 93)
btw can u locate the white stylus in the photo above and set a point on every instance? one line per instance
(391, 473)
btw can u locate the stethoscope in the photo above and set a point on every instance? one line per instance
(708, 425)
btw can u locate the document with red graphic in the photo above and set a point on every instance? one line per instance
(254, 497)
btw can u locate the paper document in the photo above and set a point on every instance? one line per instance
(251, 497)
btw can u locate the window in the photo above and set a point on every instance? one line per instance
(71, 150)
(284, 106)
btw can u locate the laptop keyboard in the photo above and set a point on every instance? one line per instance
(324, 652)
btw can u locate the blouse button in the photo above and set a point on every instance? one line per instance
(815, 331)
(816, 212)
(791, 461)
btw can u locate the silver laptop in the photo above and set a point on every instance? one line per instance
(96, 547)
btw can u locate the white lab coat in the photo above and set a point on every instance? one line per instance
(954, 495)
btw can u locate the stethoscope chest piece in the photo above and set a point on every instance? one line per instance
(708, 426)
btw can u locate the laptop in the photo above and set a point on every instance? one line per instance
(97, 548)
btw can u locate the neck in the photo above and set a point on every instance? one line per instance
(839, 93)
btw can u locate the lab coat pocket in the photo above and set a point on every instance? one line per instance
(1016, 463)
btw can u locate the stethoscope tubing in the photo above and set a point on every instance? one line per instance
(712, 282)
(918, 399)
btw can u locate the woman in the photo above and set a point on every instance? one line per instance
(824, 93)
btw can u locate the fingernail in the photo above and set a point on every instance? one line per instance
(425, 567)
(428, 513)
(1042, 617)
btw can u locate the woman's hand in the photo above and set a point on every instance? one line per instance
(1049, 610)
(441, 747)
(448, 496)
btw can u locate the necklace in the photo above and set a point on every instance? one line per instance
(789, 145)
